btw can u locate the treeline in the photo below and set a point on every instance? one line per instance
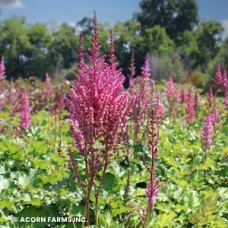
(169, 30)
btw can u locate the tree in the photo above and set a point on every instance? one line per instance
(128, 36)
(187, 49)
(209, 38)
(176, 16)
(85, 25)
(40, 39)
(15, 46)
(63, 48)
(157, 41)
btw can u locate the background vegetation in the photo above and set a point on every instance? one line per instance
(169, 30)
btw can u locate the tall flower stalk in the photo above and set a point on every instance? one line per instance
(144, 92)
(99, 111)
(218, 79)
(190, 111)
(153, 187)
(171, 95)
(25, 117)
(47, 92)
(207, 134)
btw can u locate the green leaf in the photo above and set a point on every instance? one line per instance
(109, 181)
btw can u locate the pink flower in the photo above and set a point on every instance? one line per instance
(182, 95)
(215, 115)
(146, 69)
(218, 75)
(190, 111)
(159, 108)
(210, 96)
(25, 112)
(48, 88)
(144, 93)
(170, 90)
(2, 69)
(97, 101)
(207, 136)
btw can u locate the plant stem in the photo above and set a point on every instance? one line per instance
(99, 189)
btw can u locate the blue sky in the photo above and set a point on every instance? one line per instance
(109, 11)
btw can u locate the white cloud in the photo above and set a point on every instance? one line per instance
(225, 26)
(10, 3)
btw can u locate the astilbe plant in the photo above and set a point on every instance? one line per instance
(215, 116)
(221, 82)
(190, 111)
(25, 113)
(210, 97)
(207, 134)
(47, 92)
(153, 187)
(143, 92)
(218, 79)
(99, 111)
(171, 95)
(182, 96)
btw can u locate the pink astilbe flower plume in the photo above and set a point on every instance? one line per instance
(182, 97)
(159, 107)
(215, 115)
(218, 75)
(207, 135)
(144, 92)
(146, 68)
(170, 90)
(25, 116)
(171, 96)
(2, 69)
(47, 93)
(99, 110)
(190, 111)
(153, 187)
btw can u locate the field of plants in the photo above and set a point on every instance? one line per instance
(89, 153)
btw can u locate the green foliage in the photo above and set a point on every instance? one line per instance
(176, 16)
(208, 37)
(221, 56)
(158, 42)
(35, 181)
